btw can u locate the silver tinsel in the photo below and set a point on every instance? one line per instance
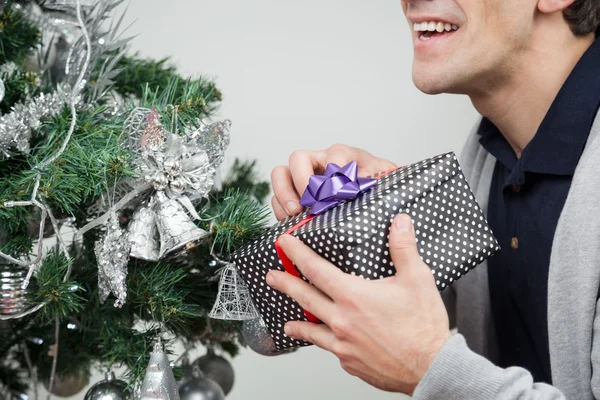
(159, 382)
(112, 254)
(17, 126)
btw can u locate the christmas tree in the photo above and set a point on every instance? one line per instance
(114, 225)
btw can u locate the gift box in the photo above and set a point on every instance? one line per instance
(348, 224)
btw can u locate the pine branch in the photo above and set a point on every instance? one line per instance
(235, 219)
(18, 37)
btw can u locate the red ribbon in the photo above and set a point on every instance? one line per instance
(289, 266)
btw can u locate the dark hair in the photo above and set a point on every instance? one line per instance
(584, 16)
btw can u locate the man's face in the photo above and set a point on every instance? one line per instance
(466, 46)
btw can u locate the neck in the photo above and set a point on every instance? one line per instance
(519, 104)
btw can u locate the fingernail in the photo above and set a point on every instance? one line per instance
(270, 279)
(402, 223)
(292, 206)
(288, 330)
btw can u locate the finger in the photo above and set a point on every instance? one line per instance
(403, 245)
(280, 213)
(283, 187)
(304, 164)
(308, 297)
(321, 273)
(339, 154)
(318, 334)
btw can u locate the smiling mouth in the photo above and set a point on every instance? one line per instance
(430, 29)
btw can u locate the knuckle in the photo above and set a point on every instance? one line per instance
(297, 156)
(341, 350)
(338, 147)
(340, 327)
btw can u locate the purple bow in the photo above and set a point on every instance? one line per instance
(337, 185)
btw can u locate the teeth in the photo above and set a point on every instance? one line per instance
(434, 26)
(425, 38)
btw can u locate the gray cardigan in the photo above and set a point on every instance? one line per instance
(462, 371)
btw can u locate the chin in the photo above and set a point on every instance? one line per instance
(428, 84)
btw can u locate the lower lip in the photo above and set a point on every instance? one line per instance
(434, 42)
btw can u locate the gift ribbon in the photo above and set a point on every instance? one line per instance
(289, 266)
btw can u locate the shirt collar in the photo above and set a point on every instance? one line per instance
(561, 137)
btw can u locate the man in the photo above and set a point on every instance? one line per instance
(532, 70)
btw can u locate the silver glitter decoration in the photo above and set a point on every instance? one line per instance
(110, 388)
(2, 90)
(159, 382)
(233, 298)
(112, 254)
(175, 228)
(17, 127)
(13, 299)
(143, 234)
(257, 337)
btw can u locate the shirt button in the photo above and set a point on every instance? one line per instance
(514, 243)
(516, 188)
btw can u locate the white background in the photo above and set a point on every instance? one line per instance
(304, 74)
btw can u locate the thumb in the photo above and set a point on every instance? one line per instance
(403, 245)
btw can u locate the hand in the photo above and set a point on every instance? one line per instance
(289, 182)
(386, 332)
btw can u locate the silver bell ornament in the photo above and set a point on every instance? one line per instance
(143, 234)
(216, 368)
(257, 337)
(159, 382)
(200, 387)
(110, 388)
(175, 227)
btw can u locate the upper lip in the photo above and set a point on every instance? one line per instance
(428, 18)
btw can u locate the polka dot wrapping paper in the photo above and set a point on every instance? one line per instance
(452, 233)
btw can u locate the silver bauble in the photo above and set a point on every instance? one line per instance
(257, 337)
(218, 369)
(66, 387)
(177, 185)
(109, 389)
(200, 387)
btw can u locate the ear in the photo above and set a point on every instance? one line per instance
(552, 6)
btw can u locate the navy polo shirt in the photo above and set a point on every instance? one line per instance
(527, 196)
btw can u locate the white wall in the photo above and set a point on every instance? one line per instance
(304, 74)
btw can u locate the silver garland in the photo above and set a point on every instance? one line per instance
(112, 253)
(17, 127)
